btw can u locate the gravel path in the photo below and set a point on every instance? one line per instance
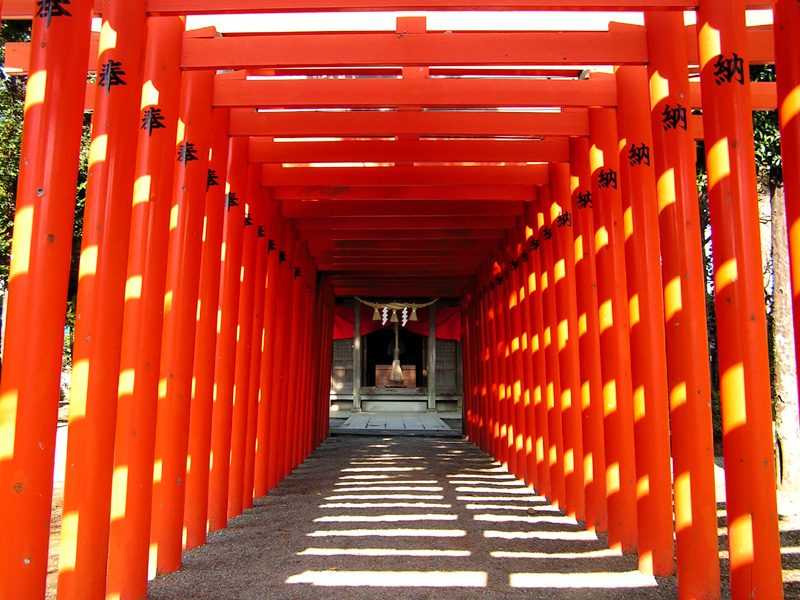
(486, 541)
(405, 518)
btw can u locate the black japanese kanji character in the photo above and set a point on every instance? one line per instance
(607, 179)
(729, 69)
(514, 264)
(535, 243)
(261, 232)
(491, 285)
(498, 279)
(523, 257)
(110, 75)
(52, 8)
(187, 153)
(564, 220)
(231, 200)
(152, 119)
(672, 118)
(297, 272)
(271, 246)
(547, 233)
(248, 220)
(282, 257)
(584, 200)
(213, 179)
(639, 155)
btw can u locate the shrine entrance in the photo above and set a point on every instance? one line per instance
(427, 374)
(379, 350)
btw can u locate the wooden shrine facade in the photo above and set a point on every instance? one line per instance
(362, 366)
(240, 184)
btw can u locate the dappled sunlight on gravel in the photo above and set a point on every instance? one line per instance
(406, 517)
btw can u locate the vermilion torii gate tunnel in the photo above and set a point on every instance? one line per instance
(560, 209)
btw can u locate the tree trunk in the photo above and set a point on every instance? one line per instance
(787, 421)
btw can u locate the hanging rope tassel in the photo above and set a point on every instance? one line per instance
(397, 370)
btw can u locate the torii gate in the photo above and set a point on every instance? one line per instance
(574, 247)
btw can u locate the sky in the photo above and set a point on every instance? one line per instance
(441, 21)
(437, 21)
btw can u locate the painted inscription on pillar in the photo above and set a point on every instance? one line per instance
(187, 153)
(52, 8)
(674, 117)
(152, 119)
(212, 180)
(727, 70)
(564, 220)
(607, 179)
(639, 155)
(111, 75)
(584, 200)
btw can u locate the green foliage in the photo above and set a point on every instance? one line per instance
(12, 102)
(766, 134)
(716, 416)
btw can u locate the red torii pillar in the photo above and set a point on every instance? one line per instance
(180, 322)
(38, 282)
(483, 368)
(503, 389)
(518, 343)
(244, 340)
(100, 305)
(482, 385)
(316, 360)
(615, 359)
(560, 213)
(296, 359)
(478, 382)
(497, 390)
(648, 346)
(134, 446)
(526, 343)
(487, 321)
(683, 281)
(267, 405)
(555, 451)
(739, 301)
(228, 320)
(286, 283)
(310, 376)
(257, 344)
(312, 359)
(786, 29)
(305, 375)
(280, 352)
(195, 517)
(324, 377)
(512, 391)
(536, 308)
(468, 356)
(490, 352)
(324, 380)
(594, 453)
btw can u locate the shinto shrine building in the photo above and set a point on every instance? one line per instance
(523, 203)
